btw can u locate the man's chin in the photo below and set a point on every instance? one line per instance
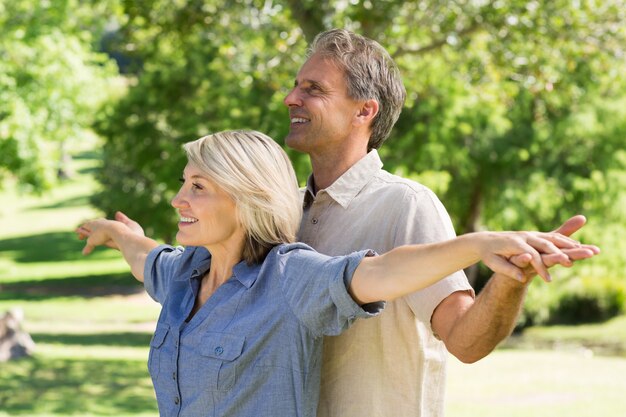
(294, 141)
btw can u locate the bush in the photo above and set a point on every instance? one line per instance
(588, 301)
(575, 301)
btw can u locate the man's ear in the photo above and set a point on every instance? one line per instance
(367, 112)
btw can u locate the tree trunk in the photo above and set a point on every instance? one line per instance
(470, 224)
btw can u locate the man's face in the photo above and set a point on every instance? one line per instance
(320, 111)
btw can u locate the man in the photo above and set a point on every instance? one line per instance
(346, 98)
(394, 366)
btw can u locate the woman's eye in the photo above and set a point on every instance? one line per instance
(196, 186)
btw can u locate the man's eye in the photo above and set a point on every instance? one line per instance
(196, 186)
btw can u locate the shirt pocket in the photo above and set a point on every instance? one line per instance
(221, 352)
(155, 355)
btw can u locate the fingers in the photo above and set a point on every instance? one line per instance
(521, 261)
(88, 248)
(83, 232)
(130, 223)
(121, 217)
(551, 259)
(583, 252)
(93, 232)
(501, 266)
(572, 225)
(538, 265)
(558, 240)
(544, 250)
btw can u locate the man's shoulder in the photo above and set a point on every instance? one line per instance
(399, 187)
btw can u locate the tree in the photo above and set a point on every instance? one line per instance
(515, 109)
(207, 66)
(51, 83)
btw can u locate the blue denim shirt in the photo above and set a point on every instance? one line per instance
(254, 348)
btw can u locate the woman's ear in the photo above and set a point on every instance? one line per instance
(367, 112)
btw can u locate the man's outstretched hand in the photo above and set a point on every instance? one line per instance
(568, 228)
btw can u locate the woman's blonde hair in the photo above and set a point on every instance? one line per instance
(257, 173)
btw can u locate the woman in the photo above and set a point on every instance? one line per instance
(244, 308)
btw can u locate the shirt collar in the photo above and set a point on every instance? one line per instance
(246, 274)
(348, 185)
(242, 272)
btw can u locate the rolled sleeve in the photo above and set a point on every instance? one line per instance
(316, 289)
(160, 266)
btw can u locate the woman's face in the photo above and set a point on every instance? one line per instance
(208, 215)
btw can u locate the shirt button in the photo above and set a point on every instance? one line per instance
(219, 350)
(174, 375)
(314, 221)
(176, 400)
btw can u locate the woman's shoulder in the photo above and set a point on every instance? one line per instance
(303, 256)
(184, 256)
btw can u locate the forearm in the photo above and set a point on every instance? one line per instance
(134, 248)
(410, 268)
(489, 320)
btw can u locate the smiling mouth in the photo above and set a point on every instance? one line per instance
(298, 120)
(187, 220)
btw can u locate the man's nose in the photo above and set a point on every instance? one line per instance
(292, 99)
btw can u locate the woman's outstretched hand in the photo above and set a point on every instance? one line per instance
(568, 228)
(86, 230)
(513, 253)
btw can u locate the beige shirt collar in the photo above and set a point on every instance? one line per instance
(346, 187)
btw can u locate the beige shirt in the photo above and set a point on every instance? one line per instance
(391, 365)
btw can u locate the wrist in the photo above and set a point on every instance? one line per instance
(512, 283)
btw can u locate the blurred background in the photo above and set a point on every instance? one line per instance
(515, 117)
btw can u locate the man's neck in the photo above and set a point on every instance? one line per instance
(329, 167)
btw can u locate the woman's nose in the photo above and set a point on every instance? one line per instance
(178, 201)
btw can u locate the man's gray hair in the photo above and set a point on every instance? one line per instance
(370, 73)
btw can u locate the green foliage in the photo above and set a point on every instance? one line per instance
(515, 110)
(574, 302)
(51, 83)
(206, 68)
(590, 302)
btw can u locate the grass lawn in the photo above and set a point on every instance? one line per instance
(90, 319)
(537, 383)
(92, 324)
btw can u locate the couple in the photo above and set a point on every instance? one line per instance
(244, 309)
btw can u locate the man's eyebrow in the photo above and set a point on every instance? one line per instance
(307, 81)
(313, 83)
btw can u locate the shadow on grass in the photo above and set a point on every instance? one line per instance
(46, 247)
(42, 386)
(82, 286)
(70, 202)
(117, 339)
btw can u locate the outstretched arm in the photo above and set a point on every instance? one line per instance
(470, 328)
(119, 235)
(132, 225)
(410, 268)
